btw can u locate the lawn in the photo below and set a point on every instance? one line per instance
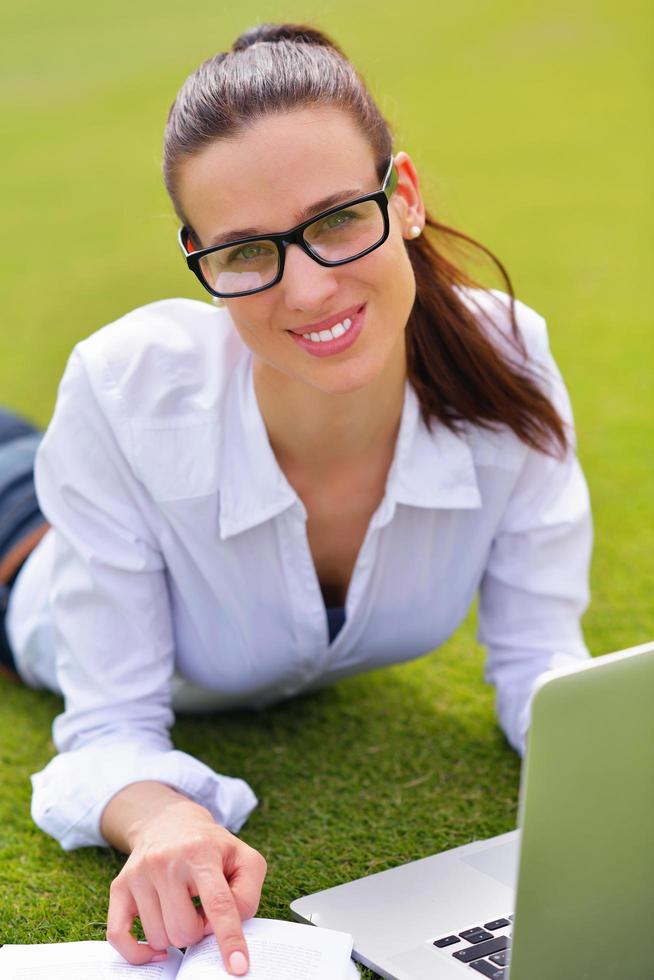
(529, 124)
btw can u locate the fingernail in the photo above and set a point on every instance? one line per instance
(238, 964)
(159, 958)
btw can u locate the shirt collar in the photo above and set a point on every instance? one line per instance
(430, 469)
(433, 469)
(253, 488)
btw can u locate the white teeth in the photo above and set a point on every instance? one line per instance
(336, 331)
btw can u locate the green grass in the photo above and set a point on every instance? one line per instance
(530, 127)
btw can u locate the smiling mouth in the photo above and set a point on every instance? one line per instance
(323, 336)
(327, 338)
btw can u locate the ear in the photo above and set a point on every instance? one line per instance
(406, 200)
(186, 239)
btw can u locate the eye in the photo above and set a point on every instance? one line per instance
(339, 219)
(250, 252)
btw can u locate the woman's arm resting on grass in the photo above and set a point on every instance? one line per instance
(113, 628)
(532, 597)
(177, 851)
(535, 587)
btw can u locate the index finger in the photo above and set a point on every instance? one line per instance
(222, 914)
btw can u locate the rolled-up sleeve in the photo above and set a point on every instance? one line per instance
(112, 626)
(535, 586)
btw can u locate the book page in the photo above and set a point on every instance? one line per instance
(79, 961)
(278, 951)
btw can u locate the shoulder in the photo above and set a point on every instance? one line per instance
(152, 391)
(493, 310)
(527, 348)
(168, 359)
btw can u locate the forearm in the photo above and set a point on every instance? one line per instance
(132, 808)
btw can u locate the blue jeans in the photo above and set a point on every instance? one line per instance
(20, 514)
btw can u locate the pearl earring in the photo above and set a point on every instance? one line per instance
(217, 301)
(415, 231)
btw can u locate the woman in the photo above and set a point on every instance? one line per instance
(312, 481)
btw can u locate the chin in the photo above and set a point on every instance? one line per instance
(341, 379)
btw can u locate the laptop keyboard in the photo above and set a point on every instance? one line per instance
(486, 949)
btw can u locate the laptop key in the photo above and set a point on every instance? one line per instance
(493, 945)
(496, 924)
(501, 959)
(446, 941)
(476, 935)
(488, 970)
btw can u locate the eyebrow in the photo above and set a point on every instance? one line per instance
(313, 210)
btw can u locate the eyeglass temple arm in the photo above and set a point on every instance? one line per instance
(390, 179)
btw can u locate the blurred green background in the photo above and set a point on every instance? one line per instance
(530, 124)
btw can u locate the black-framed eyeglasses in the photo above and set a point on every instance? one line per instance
(333, 237)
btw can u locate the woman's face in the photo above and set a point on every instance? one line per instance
(277, 173)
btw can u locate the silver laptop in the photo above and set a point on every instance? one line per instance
(578, 876)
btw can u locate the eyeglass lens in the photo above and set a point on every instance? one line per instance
(335, 237)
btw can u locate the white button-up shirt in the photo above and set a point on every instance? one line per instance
(178, 573)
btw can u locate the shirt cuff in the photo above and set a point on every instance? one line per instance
(560, 662)
(70, 794)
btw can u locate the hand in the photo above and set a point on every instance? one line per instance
(178, 852)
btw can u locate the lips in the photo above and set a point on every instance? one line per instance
(327, 323)
(333, 335)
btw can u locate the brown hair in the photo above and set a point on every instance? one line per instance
(458, 372)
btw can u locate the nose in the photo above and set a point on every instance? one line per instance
(306, 284)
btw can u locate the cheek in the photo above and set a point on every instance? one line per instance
(388, 270)
(251, 318)
(398, 276)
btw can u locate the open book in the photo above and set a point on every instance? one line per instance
(278, 951)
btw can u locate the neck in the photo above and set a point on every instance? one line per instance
(317, 430)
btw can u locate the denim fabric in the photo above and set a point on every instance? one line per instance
(19, 509)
